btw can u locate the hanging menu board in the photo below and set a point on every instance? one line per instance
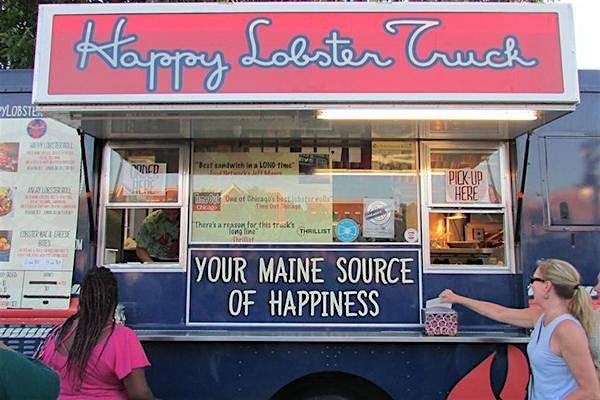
(39, 194)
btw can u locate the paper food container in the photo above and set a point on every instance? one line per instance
(440, 321)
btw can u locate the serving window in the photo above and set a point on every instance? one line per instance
(466, 205)
(144, 205)
(288, 191)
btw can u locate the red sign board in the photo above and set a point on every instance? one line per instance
(289, 55)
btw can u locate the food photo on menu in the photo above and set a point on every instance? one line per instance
(5, 237)
(9, 157)
(6, 201)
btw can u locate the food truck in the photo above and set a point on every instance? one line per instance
(329, 169)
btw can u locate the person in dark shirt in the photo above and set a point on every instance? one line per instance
(24, 378)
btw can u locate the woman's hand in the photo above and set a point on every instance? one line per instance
(448, 296)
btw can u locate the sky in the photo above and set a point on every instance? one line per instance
(587, 32)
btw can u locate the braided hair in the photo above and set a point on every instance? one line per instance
(97, 302)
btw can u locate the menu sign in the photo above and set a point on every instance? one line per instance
(39, 194)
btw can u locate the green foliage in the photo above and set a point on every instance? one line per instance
(17, 33)
(18, 25)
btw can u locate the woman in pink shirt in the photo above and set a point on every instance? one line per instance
(94, 356)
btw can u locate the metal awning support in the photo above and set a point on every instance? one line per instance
(88, 193)
(521, 192)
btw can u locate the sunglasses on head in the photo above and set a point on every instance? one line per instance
(535, 279)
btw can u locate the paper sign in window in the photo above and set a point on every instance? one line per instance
(467, 185)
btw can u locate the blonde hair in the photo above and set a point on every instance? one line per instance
(566, 282)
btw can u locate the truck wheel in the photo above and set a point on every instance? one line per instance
(331, 386)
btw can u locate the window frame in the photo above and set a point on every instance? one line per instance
(504, 207)
(181, 205)
(543, 165)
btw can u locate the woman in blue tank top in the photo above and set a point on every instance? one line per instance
(558, 350)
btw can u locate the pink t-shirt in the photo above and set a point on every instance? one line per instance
(106, 368)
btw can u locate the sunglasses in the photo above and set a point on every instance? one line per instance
(535, 279)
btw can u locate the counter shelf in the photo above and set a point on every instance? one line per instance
(329, 336)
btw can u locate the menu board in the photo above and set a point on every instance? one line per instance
(39, 195)
(261, 197)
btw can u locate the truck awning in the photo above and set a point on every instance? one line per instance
(225, 63)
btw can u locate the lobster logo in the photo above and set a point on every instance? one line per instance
(477, 383)
(37, 128)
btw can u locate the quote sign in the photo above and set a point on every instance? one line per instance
(303, 286)
(261, 197)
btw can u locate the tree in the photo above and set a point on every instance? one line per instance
(17, 33)
(18, 25)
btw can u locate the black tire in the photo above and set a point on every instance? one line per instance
(331, 386)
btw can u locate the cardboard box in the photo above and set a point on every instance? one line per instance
(440, 321)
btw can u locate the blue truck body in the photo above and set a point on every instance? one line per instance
(554, 162)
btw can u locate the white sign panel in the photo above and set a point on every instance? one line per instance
(39, 196)
(467, 186)
(145, 179)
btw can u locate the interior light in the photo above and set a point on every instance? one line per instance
(427, 114)
(457, 215)
(355, 172)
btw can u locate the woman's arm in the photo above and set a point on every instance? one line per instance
(136, 386)
(521, 317)
(570, 342)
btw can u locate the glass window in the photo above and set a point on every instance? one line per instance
(465, 175)
(144, 175)
(301, 191)
(145, 235)
(573, 174)
(467, 238)
(361, 197)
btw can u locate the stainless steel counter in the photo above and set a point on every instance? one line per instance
(331, 336)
